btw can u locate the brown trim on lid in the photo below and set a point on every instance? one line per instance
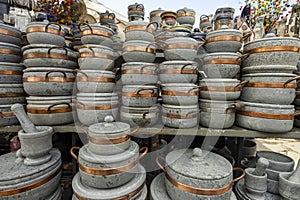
(186, 14)
(141, 95)
(95, 79)
(221, 89)
(95, 55)
(223, 61)
(139, 49)
(6, 95)
(139, 28)
(179, 93)
(181, 46)
(178, 71)
(95, 32)
(270, 85)
(48, 79)
(109, 141)
(139, 71)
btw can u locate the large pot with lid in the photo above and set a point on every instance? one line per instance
(140, 30)
(10, 34)
(197, 174)
(10, 73)
(10, 53)
(186, 16)
(139, 51)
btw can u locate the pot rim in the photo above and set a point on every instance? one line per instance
(270, 75)
(264, 105)
(4, 44)
(216, 101)
(95, 95)
(289, 159)
(11, 64)
(179, 85)
(95, 46)
(11, 28)
(223, 32)
(140, 86)
(221, 54)
(98, 26)
(46, 69)
(180, 107)
(272, 39)
(138, 64)
(11, 85)
(45, 98)
(225, 80)
(180, 62)
(176, 39)
(97, 71)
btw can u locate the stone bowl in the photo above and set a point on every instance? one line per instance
(11, 73)
(45, 33)
(249, 148)
(221, 65)
(178, 72)
(7, 117)
(45, 55)
(139, 51)
(289, 69)
(10, 34)
(278, 162)
(140, 30)
(45, 81)
(180, 116)
(12, 93)
(96, 34)
(96, 57)
(95, 81)
(139, 96)
(282, 117)
(139, 73)
(254, 182)
(10, 53)
(263, 87)
(262, 52)
(180, 48)
(288, 189)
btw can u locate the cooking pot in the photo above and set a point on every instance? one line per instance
(10, 73)
(136, 9)
(12, 93)
(186, 16)
(139, 96)
(10, 53)
(10, 34)
(107, 18)
(140, 30)
(7, 117)
(139, 51)
(155, 16)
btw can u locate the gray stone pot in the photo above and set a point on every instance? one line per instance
(186, 16)
(10, 73)
(94, 107)
(288, 190)
(96, 57)
(249, 148)
(139, 96)
(178, 72)
(286, 54)
(282, 117)
(221, 65)
(217, 114)
(142, 117)
(44, 81)
(139, 73)
(278, 162)
(10, 53)
(139, 51)
(16, 175)
(10, 34)
(107, 18)
(220, 89)
(272, 186)
(135, 185)
(45, 33)
(269, 69)
(180, 94)
(180, 48)
(255, 182)
(180, 116)
(45, 55)
(50, 111)
(95, 81)
(263, 87)
(224, 40)
(96, 34)
(205, 25)
(136, 9)
(155, 16)
(140, 30)
(7, 117)
(11, 93)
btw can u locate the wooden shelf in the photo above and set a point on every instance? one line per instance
(233, 132)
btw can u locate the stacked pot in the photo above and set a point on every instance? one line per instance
(95, 79)
(136, 12)
(271, 85)
(11, 88)
(109, 164)
(49, 77)
(221, 88)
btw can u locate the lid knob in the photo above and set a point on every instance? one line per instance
(197, 154)
(108, 120)
(224, 27)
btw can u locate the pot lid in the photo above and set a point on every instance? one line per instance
(159, 10)
(224, 31)
(281, 39)
(227, 80)
(95, 95)
(11, 28)
(138, 63)
(141, 110)
(168, 13)
(11, 64)
(199, 164)
(215, 101)
(180, 107)
(9, 45)
(46, 69)
(264, 105)
(109, 127)
(96, 72)
(43, 98)
(179, 85)
(179, 62)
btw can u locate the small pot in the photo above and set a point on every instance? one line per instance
(155, 16)
(180, 48)
(11, 73)
(139, 96)
(178, 72)
(278, 162)
(139, 51)
(45, 33)
(186, 16)
(7, 117)
(168, 18)
(10, 34)
(96, 34)
(262, 88)
(249, 148)
(12, 93)
(10, 53)
(45, 55)
(180, 116)
(205, 24)
(139, 73)
(96, 57)
(107, 18)
(44, 81)
(140, 30)
(180, 94)
(136, 9)
(220, 89)
(95, 81)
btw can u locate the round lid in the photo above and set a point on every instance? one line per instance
(4, 44)
(224, 31)
(47, 69)
(199, 164)
(109, 126)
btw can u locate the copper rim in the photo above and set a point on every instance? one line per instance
(186, 14)
(226, 38)
(102, 107)
(95, 55)
(221, 89)
(43, 30)
(178, 116)
(6, 114)
(29, 187)
(48, 79)
(181, 46)
(95, 79)
(96, 32)
(8, 51)
(10, 33)
(10, 72)
(139, 49)
(155, 15)
(106, 17)
(7, 95)
(204, 20)
(223, 61)
(178, 71)
(49, 111)
(271, 85)
(136, 8)
(141, 95)
(109, 141)
(272, 49)
(49, 55)
(139, 28)
(139, 71)
(266, 115)
(179, 93)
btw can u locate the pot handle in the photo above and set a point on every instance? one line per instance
(143, 151)
(143, 89)
(191, 113)
(52, 71)
(194, 88)
(134, 130)
(240, 85)
(156, 27)
(297, 78)
(148, 65)
(139, 6)
(203, 17)
(145, 114)
(243, 57)
(72, 152)
(151, 44)
(50, 49)
(158, 159)
(83, 73)
(184, 66)
(240, 177)
(56, 104)
(297, 113)
(202, 74)
(112, 15)
(91, 49)
(234, 106)
(85, 24)
(53, 23)
(161, 43)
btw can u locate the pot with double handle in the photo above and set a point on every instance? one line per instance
(107, 18)
(10, 34)
(186, 16)
(139, 96)
(136, 9)
(155, 16)
(140, 30)
(139, 51)
(11, 73)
